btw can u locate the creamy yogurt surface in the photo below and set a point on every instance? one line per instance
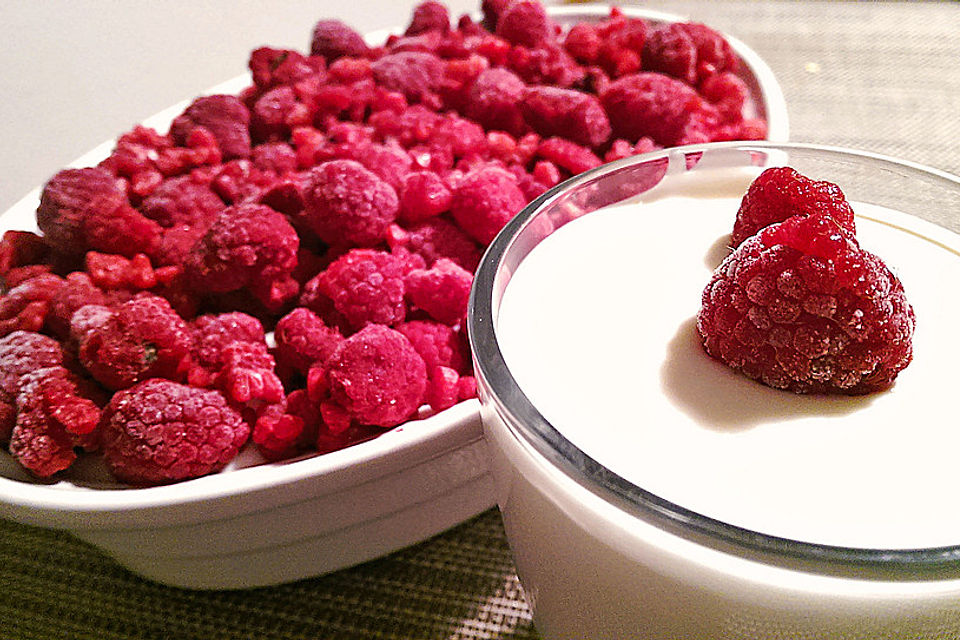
(598, 327)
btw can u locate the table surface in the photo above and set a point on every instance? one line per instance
(878, 76)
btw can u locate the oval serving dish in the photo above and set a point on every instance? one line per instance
(257, 523)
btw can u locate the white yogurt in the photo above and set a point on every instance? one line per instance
(598, 328)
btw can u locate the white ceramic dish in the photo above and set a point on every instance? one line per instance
(257, 524)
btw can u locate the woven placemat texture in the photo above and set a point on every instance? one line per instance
(878, 76)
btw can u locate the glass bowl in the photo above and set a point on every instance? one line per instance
(602, 555)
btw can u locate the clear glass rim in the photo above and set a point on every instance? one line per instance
(526, 423)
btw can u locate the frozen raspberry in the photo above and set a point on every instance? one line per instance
(110, 272)
(575, 115)
(304, 339)
(346, 204)
(212, 334)
(182, 201)
(160, 431)
(249, 245)
(143, 338)
(224, 116)
(333, 39)
(287, 427)
(390, 162)
(442, 290)
(415, 74)
(525, 22)
(78, 290)
(568, 155)
(26, 306)
(364, 286)
(270, 67)
(583, 42)
(494, 101)
(20, 353)
(377, 377)
(248, 375)
(780, 193)
(423, 195)
(429, 16)
(728, 93)
(547, 64)
(275, 157)
(688, 51)
(443, 388)
(485, 201)
(269, 114)
(492, 10)
(55, 413)
(438, 344)
(653, 105)
(801, 306)
(19, 249)
(82, 209)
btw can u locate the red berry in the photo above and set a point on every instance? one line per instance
(780, 193)
(143, 338)
(160, 431)
(442, 290)
(304, 339)
(801, 306)
(690, 52)
(377, 377)
(495, 99)
(225, 117)
(333, 39)
(429, 16)
(345, 204)
(485, 201)
(575, 115)
(525, 22)
(20, 353)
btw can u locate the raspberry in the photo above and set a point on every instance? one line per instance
(651, 104)
(780, 193)
(801, 306)
(224, 116)
(485, 201)
(428, 16)
(212, 334)
(182, 201)
(143, 338)
(442, 290)
(333, 39)
(303, 339)
(547, 64)
(728, 93)
(284, 428)
(364, 286)
(492, 10)
(271, 67)
(346, 204)
(248, 375)
(568, 155)
(377, 377)
(26, 306)
(583, 42)
(54, 414)
(275, 157)
(415, 74)
(438, 344)
(19, 249)
(494, 101)
(269, 114)
(690, 52)
(524, 22)
(249, 245)
(390, 162)
(82, 209)
(577, 116)
(160, 431)
(78, 290)
(20, 353)
(423, 195)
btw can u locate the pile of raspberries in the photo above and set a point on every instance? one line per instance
(291, 265)
(798, 304)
